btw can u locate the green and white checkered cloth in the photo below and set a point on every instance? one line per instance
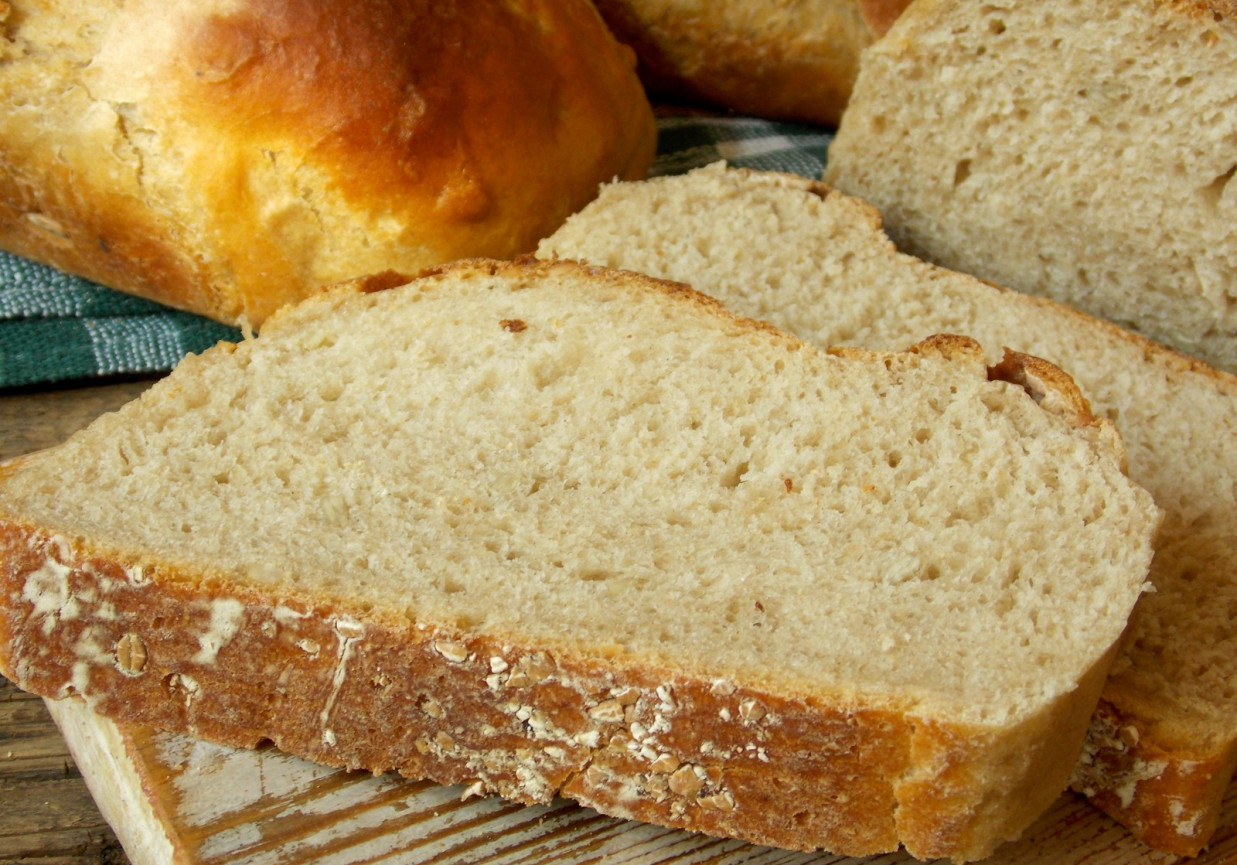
(59, 328)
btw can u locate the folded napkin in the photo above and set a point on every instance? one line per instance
(59, 328)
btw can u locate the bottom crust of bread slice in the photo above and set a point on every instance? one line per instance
(548, 529)
(1163, 748)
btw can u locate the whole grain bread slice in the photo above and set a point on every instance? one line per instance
(548, 529)
(1163, 745)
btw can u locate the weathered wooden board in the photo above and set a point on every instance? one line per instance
(175, 799)
(46, 812)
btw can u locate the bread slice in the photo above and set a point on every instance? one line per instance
(1163, 746)
(548, 529)
(1077, 152)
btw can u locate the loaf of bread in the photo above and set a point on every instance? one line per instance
(771, 58)
(229, 157)
(1063, 149)
(1163, 746)
(545, 529)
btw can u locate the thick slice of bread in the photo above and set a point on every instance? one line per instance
(768, 58)
(815, 262)
(550, 529)
(230, 156)
(1065, 148)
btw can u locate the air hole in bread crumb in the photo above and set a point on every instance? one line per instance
(1214, 191)
(993, 402)
(962, 171)
(1011, 576)
(734, 476)
(468, 623)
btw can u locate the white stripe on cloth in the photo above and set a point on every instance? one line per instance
(135, 343)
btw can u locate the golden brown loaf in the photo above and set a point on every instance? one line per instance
(1065, 148)
(1163, 746)
(779, 59)
(545, 529)
(228, 157)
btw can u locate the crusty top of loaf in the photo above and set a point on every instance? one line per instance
(232, 155)
(825, 270)
(880, 14)
(599, 462)
(794, 61)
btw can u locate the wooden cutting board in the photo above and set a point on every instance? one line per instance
(172, 799)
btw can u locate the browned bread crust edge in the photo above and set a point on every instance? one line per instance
(763, 59)
(149, 643)
(297, 139)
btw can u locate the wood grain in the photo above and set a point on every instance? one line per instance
(47, 814)
(225, 806)
(31, 420)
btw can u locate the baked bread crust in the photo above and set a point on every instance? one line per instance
(788, 61)
(526, 722)
(226, 158)
(1166, 795)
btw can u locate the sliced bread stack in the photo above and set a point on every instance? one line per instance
(1163, 745)
(550, 529)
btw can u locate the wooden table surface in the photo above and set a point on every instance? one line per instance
(46, 813)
